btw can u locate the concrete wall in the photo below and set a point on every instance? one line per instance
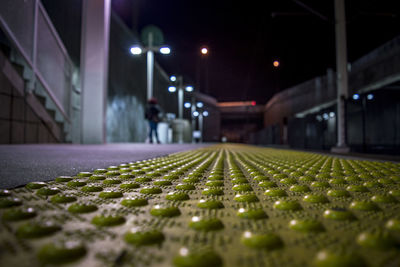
(126, 88)
(300, 98)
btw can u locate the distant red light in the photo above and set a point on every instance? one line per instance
(276, 63)
(253, 103)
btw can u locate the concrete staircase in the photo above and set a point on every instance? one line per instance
(16, 71)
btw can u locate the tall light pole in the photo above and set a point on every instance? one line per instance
(202, 79)
(180, 97)
(152, 37)
(181, 89)
(200, 115)
(341, 75)
(150, 67)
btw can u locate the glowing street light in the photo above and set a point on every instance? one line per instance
(205, 113)
(204, 50)
(165, 50)
(136, 50)
(187, 105)
(178, 81)
(276, 63)
(199, 104)
(153, 39)
(196, 113)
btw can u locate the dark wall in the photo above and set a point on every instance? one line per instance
(126, 88)
(212, 124)
(66, 16)
(373, 126)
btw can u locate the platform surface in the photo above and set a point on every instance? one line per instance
(21, 164)
(224, 205)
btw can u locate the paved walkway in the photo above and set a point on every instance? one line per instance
(21, 164)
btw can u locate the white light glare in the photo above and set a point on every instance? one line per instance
(247, 234)
(165, 50)
(319, 118)
(370, 96)
(332, 114)
(199, 104)
(187, 105)
(205, 113)
(172, 78)
(189, 88)
(356, 96)
(172, 89)
(196, 113)
(136, 50)
(325, 116)
(183, 251)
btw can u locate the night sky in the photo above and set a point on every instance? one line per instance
(245, 37)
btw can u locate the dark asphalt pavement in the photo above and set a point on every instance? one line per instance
(21, 164)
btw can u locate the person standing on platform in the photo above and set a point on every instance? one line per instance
(153, 115)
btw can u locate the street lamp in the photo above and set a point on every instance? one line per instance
(165, 50)
(180, 86)
(202, 70)
(153, 38)
(201, 115)
(136, 50)
(187, 105)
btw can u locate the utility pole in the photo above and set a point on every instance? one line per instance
(150, 67)
(341, 76)
(180, 97)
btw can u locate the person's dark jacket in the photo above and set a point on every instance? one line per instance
(153, 112)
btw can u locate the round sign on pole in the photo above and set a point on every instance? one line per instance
(157, 35)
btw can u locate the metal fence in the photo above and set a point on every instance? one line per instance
(50, 71)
